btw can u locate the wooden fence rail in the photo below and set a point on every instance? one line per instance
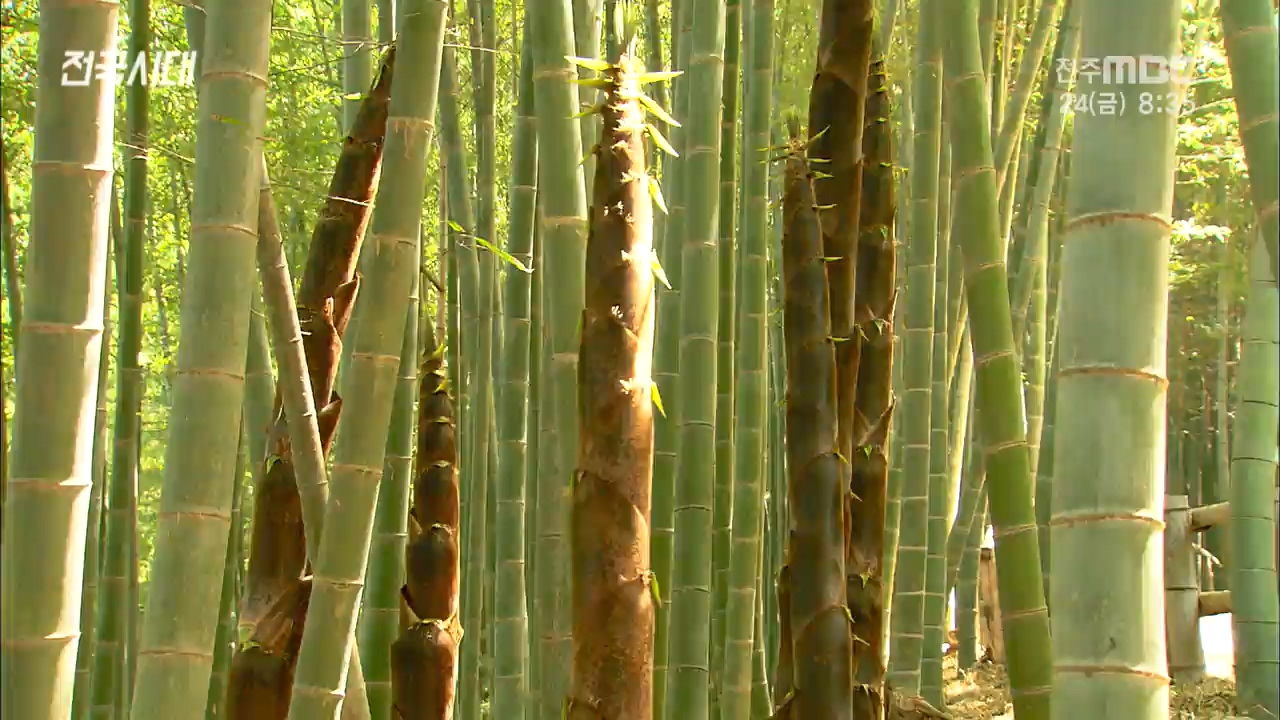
(1184, 602)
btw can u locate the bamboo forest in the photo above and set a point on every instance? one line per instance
(640, 360)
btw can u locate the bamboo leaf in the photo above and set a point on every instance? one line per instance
(657, 398)
(598, 83)
(660, 141)
(653, 77)
(504, 255)
(592, 110)
(589, 63)
(655, 192)
(656, 110)
(658, 272)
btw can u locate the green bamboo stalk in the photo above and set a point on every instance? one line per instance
(82, 696)
(1249, 31)
(1048, 441)
(688, 682)
(986, 35)
(1253, 522)
(967, 606)
(390, 262)
(225, 640)
(565, 233)
(1108, 498)
(587, 31)
(893, 492)
(1031, 287)
(115, 608)
(475, 277)
(175, 657)
(722, 505)
(1031, 62)
(654, 59)
(536, 454)
(301, 421)
(777, 517)
(484, 74)
(761, 699)
(972, 481)
(511, 644)
(8, 247)
(357, 57)
(998, 382)
(386, 21)
(546, 499)
(907, 619)
(752, 383)
(380, 617)
(667, 361)
(942, 495)
(259, 386)
(465, 267)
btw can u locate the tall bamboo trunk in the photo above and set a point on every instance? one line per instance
(876, 300)
(822, 643)
(175, 657)
(1108, 495)
(1249, 31)
(511, 624)
(289, 502)
(1253, 521)
(564, 230)
(998, 381)
(909, 588)
(390, 265)
(612, 584)
(688, 684)
(743, 606)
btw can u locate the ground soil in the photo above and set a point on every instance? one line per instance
(982, 693)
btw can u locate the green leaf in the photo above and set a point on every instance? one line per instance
(592, 110)
(657, 398)
(504, 255)
(656, 110)
(658, 272)
(598, 83)
(653, 77)
(655, 192)
(589, 63)
(660, 141)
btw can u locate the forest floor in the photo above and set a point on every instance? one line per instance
(983, 692)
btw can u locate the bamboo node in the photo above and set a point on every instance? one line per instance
(1108, 216)
(1011, 530)
(1111, 670)
(1069, 520)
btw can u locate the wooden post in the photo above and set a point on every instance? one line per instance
(1181, 593)
(990, 631)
